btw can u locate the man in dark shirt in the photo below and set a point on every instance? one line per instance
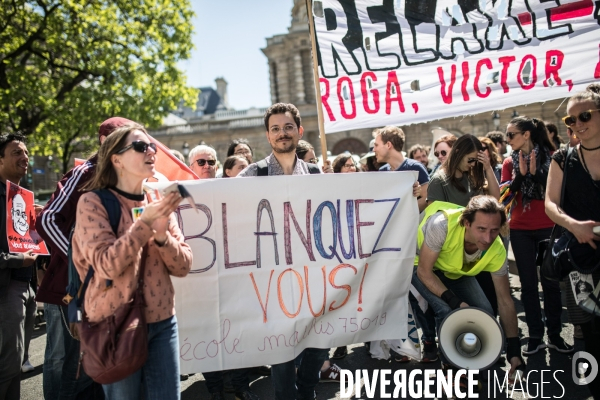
(17, 299)
(388, 145)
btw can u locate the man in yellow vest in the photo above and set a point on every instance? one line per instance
(454, 244)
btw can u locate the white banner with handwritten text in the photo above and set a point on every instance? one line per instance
(288, 262)
(398, 62)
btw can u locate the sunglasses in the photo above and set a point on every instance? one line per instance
(484, 148)
(202, 162)
(511, 135)
(585, 116)
(443, 153)
(139, 147)
(472, 161)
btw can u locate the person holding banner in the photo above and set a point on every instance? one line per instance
(54, 225)
(283, 131)
(125, 160)
(17, 302)
(454, 245)
(580, 210)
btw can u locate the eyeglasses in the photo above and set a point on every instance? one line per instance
(242, 152)
(313, 161)
(139, 147)
(511, 135)
(472, 161)
(443, 153)
(350, 165)
(585, 116)
(202, 162)
(289, 128)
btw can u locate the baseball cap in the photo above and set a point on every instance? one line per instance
(108, 126)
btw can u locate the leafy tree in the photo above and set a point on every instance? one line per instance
(66, 65)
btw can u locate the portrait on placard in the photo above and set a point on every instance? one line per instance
(20, 221)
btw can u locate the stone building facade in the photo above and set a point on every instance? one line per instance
(291, 81)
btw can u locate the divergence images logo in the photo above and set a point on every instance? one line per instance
(580, 368)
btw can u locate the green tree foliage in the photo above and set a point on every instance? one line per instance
(66, 65)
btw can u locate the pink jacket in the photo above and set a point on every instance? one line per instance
(118, 258)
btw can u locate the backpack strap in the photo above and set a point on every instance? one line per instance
(313, 168)
(112, 206)
(263, 168)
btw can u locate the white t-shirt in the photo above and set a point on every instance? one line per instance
(435, 231)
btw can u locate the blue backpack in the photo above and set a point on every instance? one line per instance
(76, 289)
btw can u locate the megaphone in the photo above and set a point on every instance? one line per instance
(470, 338)
(592, 304)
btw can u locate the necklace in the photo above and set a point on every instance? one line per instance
(585, 148)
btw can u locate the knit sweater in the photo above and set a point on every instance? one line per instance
(118, 258)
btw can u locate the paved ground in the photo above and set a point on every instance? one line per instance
(358, 358)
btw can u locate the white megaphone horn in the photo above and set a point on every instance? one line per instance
(592, 304)
(471, 338)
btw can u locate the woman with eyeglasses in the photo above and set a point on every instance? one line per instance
(306, 152)
(580, 211)
(240, 147)
(491, 151)
(441, 149)
(527, 168)
(125, 160)
(466, 172)
(344, 163)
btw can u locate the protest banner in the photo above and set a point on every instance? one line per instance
(278, 268)
(407, 61)
(20, 221)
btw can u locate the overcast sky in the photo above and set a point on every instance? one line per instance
(228, 37)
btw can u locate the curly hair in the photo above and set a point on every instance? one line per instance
(282, 108)
(340, 161)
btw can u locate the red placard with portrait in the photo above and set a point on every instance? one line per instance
(20, 221)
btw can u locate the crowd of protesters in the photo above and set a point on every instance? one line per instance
(460, 184)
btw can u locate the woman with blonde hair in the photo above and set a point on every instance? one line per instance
(125, 160)
(441, 149)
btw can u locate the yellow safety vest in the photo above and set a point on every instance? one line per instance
(451, 257)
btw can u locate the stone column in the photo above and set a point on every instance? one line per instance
(283, 81)
(299, 79)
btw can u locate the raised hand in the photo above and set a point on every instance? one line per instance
(532, 166)
(522, 164)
